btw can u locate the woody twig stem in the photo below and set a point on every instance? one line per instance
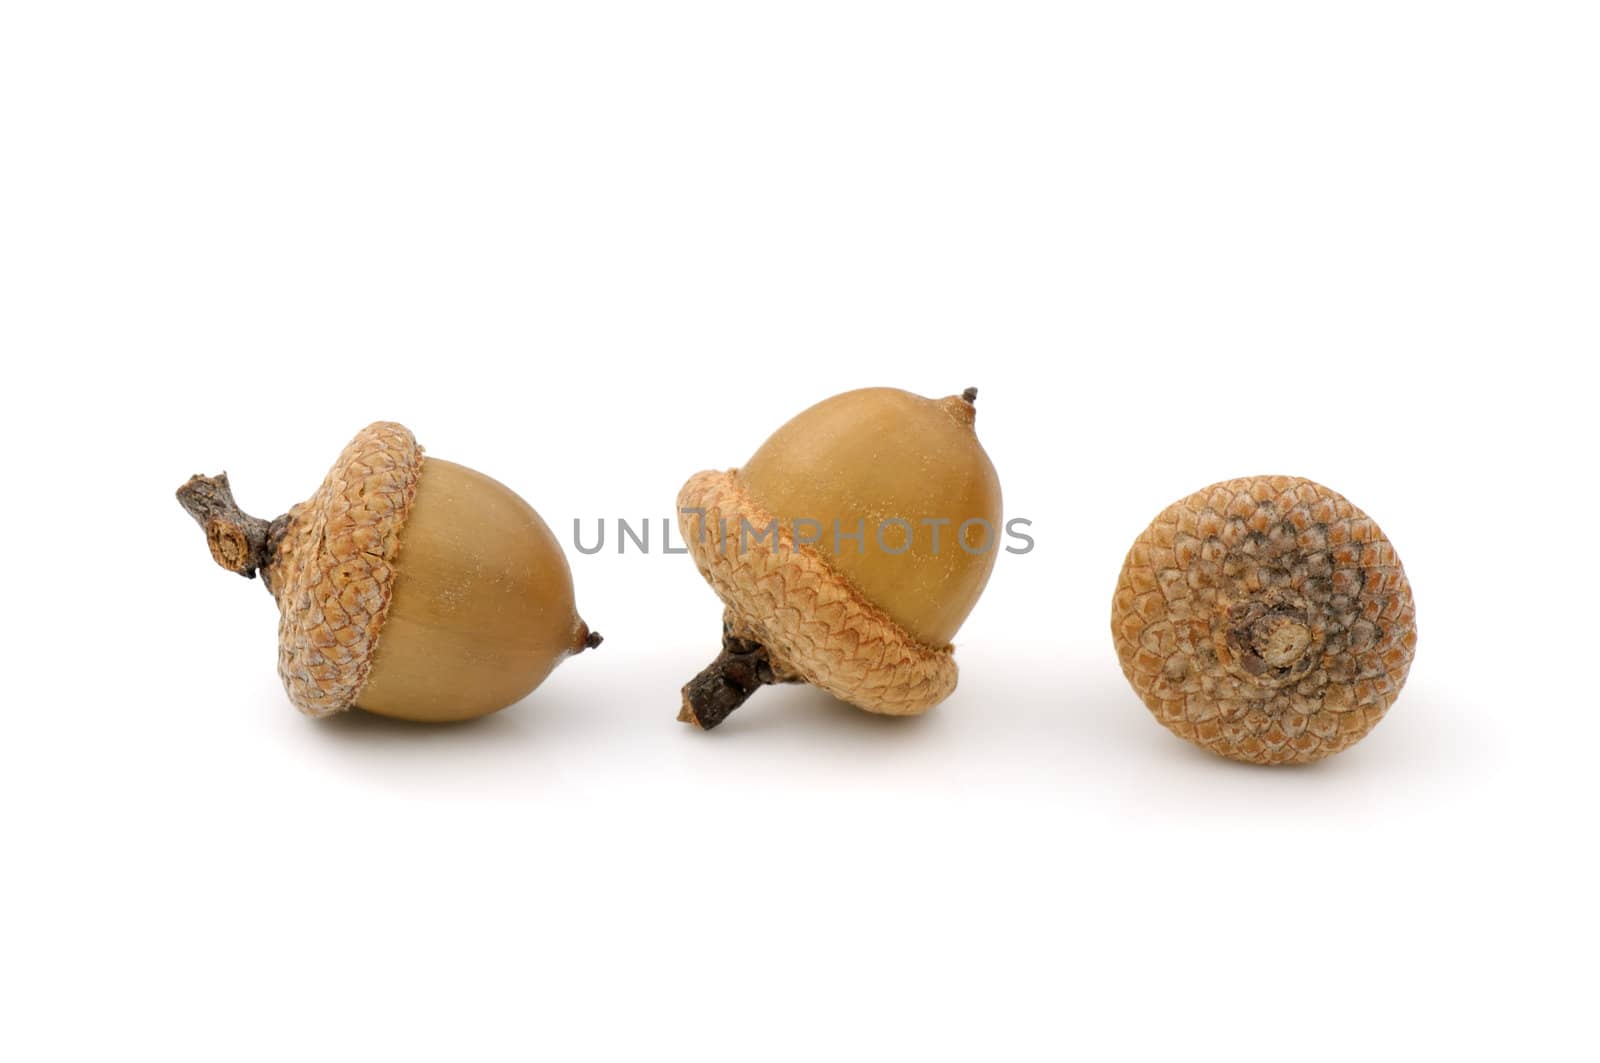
(238, 542)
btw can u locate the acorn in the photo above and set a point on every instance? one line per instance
(847, 553)
(407, 586)
(1266, 619)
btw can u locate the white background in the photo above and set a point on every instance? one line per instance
(593, 248)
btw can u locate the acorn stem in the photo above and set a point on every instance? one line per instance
(970, 396)
(741, 669)
(238, 542)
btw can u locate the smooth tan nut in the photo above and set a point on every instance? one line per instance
(407, 586)
(847, 553)
(1266, 619)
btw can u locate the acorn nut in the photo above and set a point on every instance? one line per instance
(847, 553)
(1266, 619)
(406, 586)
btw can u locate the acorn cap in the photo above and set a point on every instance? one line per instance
(812, 621)
(1266, 619)
(333, 570)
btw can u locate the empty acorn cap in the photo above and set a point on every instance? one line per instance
(1266, 619)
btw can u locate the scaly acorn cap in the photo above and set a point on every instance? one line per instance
(333, 571)
(329, 562)
(1266, 619)
(788, 611)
